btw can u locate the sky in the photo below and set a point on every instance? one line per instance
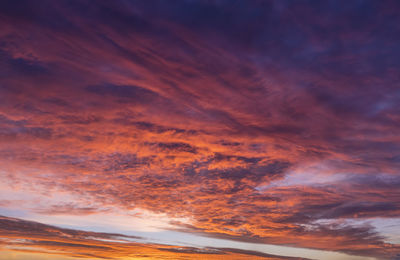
(194, 129)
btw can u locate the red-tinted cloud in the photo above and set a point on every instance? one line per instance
(198, 109)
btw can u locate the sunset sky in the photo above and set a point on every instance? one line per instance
(189, 129)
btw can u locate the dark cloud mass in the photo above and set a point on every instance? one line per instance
(262, 121)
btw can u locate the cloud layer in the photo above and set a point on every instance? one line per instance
(272, 122)
(50, 240)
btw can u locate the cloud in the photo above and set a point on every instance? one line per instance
(69, 209)
(47, 239)
(175, 147)
(204, 110)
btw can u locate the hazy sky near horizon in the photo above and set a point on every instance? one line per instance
(199, 129)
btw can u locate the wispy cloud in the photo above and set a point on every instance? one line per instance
(47, 240)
